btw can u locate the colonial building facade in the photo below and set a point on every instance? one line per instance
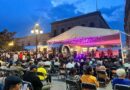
(127, 22)
(31, 40)
(93, 19)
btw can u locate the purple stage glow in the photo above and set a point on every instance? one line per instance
(89, 41)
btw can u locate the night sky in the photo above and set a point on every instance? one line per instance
(21, 15)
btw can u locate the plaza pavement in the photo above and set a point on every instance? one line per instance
(61, 85)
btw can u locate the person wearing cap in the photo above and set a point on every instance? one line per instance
(121, 78)
(32, 77)
(12, 83)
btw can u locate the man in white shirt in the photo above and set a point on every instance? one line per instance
(56, 62)
(39, 56)
(15, 57)
(7, 55)
(70, 65)
(47, 63)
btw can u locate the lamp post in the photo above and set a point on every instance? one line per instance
(36, 31)
(10, 45)
(121, 32)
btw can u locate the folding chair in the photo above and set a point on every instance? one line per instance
(1, 86)
(56, 68)
(101, 76)
(26, 85)
(72, 85)
(129, 73)
(62, 72)
(47, 67)
(88, 86)
(121, 87)
(113, 71)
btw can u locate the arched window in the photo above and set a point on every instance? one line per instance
(29, 44)
(69, 27)
(82, 24)
(22, 44)
(62, 30)
(91, 24)
(54, 32)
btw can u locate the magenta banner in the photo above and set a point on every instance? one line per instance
(92, 41)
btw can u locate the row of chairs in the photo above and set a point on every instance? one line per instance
(121, 87)
(5, 73)
(73, 85)
(102, 78)
(59, 71)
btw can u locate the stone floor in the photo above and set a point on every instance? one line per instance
(60, 85)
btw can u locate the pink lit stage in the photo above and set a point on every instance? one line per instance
(93, 41)
(86, 36)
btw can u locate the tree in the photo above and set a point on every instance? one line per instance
(5, 38)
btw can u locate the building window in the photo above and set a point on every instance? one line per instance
(82, 24)
(44, 42)
(69, 27)
(54, 32)
(62, 30)
(22, 44)
(91, 24)
(29, 44)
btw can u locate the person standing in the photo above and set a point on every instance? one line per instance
(15, 57)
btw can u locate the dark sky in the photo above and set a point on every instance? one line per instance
(21, 15)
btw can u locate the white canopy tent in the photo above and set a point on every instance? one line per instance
(79, 34)
(88, 36)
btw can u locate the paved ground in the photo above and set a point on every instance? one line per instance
(60, 85)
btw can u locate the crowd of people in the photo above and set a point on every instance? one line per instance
(33, 68)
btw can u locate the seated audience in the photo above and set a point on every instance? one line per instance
(32, 77)
(98, 67)
(47, 63)
(73, 74)
(56, 62)
(70, 65)
(121, 78)
(42, 73)
(12, 83)
(103, 76)
(87, 77)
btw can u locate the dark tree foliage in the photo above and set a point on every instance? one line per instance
(5, 38)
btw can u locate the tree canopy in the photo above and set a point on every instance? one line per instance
(5, 38)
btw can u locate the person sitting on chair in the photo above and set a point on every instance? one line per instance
(42, 73)
(12, 83)
(121, 78)
(104, 75)
(31, 76)
(87, 77)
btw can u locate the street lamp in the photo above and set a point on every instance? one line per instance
(36, 31)
(11, 43)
